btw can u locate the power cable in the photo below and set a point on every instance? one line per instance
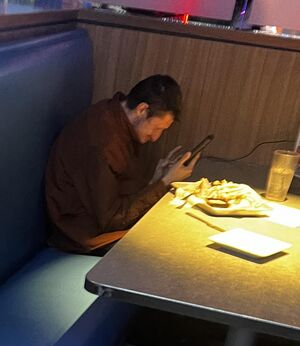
(252, 150)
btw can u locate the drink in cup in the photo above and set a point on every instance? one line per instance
(281, 174)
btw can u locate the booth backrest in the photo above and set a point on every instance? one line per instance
(44, 81)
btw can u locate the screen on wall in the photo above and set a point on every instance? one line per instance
(215, 9)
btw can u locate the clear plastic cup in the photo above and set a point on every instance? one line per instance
(281, 174)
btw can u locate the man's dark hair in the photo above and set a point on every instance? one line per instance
(161, 92)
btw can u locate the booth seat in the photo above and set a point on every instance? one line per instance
(44, 82)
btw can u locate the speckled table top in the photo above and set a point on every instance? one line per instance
(166, 261)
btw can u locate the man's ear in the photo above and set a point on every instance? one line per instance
(142, 108)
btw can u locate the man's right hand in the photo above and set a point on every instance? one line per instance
(179, 171)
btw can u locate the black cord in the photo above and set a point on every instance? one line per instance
(244, 156)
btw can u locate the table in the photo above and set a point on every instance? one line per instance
(167, 262)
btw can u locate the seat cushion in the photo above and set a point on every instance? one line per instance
(44, 299)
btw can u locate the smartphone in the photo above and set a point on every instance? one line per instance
(199, 147)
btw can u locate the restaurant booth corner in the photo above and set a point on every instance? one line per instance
(44, 82)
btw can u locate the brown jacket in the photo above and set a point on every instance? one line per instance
(94, 187)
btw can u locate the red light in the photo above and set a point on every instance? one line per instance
(185, 18)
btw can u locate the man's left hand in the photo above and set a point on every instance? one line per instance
(164, 164)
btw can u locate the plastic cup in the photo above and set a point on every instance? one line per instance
(281, 174)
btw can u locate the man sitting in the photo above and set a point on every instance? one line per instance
(95, 189)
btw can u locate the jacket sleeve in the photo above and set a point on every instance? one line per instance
(112, 210)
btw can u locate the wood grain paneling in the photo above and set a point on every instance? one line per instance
(243, 94)
(193, 29)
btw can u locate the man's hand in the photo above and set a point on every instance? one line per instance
(164, 165)
(178, 171)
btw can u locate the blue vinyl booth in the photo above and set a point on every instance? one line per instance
(44, 82)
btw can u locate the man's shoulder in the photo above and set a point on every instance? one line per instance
(99, 108)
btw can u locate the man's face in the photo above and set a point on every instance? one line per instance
(150, 129)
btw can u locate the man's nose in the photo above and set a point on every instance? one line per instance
(155, 137)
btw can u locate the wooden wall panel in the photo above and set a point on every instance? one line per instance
(242, 94)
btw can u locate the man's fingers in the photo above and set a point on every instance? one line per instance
(164, 163)
(184, 158)
(194, 161)
(173, 152)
